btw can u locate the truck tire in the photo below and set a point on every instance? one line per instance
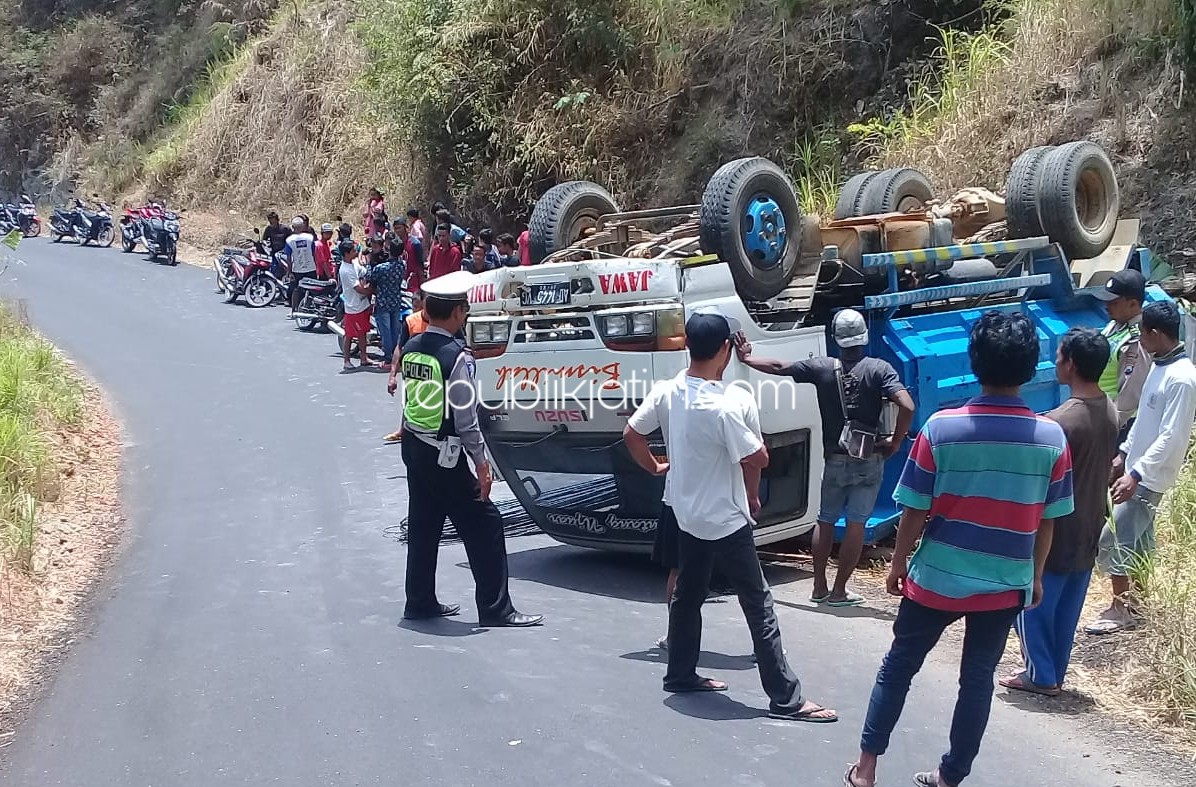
(848, 205)
(895, 191)
(750, 219)
(1078, 199)
(1021, 194)
(565, 212)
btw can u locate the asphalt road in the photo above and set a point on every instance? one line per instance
(250, 633)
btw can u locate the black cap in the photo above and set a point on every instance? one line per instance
(706, 331)
(1126, 283)
(347, 246)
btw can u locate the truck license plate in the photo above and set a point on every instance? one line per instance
(551, 294)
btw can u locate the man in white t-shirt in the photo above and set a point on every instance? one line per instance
(301, 256)
(716, 454)
(356, 295)
(1148, 462)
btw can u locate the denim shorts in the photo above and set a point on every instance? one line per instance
(1130, 536)
(849, 484)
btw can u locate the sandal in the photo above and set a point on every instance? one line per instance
(1109, 626)
(820, 599)
(1021, 682)
(850, 600)
(928, 779)
(849, 777)
(393, 437)
(702, 684)
(807, 713)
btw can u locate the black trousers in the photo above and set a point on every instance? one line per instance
(435, 492)
(737, 560)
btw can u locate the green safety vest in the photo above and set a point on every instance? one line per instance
(1110, 380)
(427, 361)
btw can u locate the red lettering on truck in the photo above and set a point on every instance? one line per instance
(483, 293)
(629, 281)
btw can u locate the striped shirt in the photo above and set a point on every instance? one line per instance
(988, 473)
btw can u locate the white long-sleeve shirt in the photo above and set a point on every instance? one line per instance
(1158, 441)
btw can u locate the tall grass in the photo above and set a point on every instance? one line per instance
(38, 395)
(816, 166)
(1165, 674)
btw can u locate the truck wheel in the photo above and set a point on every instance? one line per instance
(750, 218)
(1078, 199)
(848, 205)
(895, 191)
(563, 214)
(1021, 194)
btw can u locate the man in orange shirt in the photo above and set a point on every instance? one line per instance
(415, 324)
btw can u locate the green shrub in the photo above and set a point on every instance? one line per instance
(38, 395)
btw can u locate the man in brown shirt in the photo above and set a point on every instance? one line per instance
(1089, 419)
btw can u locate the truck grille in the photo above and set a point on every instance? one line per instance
(562, 328)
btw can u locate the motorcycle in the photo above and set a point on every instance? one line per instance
(320, 304)
(130, 227)
(247, 272)
(160, 234)
(82, 225)
(27, 218)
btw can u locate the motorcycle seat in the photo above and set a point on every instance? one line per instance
(316, 284)
(63, 214)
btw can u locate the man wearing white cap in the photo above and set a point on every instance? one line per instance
(851, 392)
(440, 427)
(301, 256)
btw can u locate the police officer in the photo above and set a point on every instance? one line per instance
(1125, 374)
(440, 427)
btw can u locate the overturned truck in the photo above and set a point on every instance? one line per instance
(567, 348)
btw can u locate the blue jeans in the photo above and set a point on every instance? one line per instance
(915, 633)
(390, 326)
(1048, 631)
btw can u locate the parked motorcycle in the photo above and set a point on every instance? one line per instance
(130, 227)
(160, 234)
(82, 225)
(27, 218)
(246, 272)
(320, 305)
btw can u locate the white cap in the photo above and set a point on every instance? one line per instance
(849, 329)
(297, 221)
(327, 228)
(453, 286)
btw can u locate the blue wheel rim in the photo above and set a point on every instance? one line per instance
(764, 232)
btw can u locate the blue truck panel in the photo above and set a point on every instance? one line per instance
(930, 353)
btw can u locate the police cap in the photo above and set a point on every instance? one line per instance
(453, 286)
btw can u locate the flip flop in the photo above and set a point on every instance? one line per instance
(806, 715)
(851, 600)
(819, 599)
(927, 779)
(1108, 626)
(1022, 683)
(849, 777)
(703, 684)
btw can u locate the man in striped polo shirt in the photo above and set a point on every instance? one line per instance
(981, 488)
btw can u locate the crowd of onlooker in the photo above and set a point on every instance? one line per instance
(382, 269)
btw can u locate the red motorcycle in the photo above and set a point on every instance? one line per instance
(247, 272)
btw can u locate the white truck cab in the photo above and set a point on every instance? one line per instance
(566, 351)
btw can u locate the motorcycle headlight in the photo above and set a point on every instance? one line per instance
(172, 226)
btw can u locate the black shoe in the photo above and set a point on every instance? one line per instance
(445, 611)
(514, 620)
